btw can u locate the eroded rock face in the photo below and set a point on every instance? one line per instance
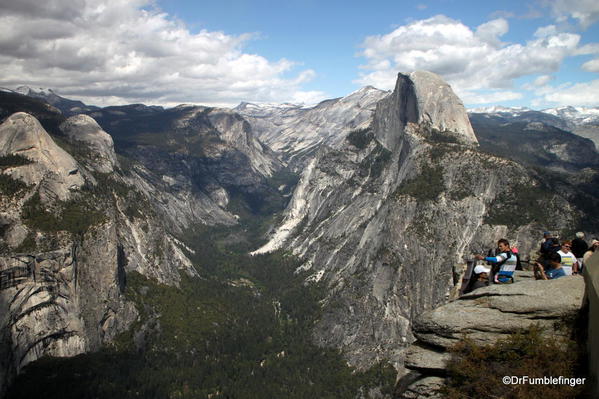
(22, 134)
(62, 283)
(440, 106)
(85, 130)
(237, 131)
(296, 132)
(484, 316)
(62, 302)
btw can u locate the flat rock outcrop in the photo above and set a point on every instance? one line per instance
(486, 315)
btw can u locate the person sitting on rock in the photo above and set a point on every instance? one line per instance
(504, 264)
(569, 261)
(551, 270)
(479, 279)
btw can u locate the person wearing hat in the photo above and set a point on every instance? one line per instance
(479, 279)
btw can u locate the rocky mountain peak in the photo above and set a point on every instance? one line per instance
(440, 106)
(22, 134)
(421, 98)
(85, 129)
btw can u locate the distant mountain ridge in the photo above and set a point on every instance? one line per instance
(583, 121)
(575, 115)
(66, 106)
(297, 131)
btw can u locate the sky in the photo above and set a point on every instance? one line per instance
(533, 53)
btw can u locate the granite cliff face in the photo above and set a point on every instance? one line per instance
(297, 132)
(202, 152)
(386, 218)
(72, 226)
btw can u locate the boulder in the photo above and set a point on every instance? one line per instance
(486, 315)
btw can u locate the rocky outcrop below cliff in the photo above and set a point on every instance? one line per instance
(485, 316)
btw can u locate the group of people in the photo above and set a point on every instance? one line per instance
(557, 259)
(563, 259)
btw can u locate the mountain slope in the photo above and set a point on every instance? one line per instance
(528, 140)
(385, 218)
(578, 120)
(297, 132)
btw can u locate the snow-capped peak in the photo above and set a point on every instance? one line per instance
(498, 109)
(26, 90)
(576, 115)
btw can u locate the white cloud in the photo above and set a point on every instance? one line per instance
(469, 60)
(585, 11)
(577, 95)
(542, 80)
(493, 97)
(114, 51)
(491, 31)
(591, 66)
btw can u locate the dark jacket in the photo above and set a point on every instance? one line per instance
(579, 247)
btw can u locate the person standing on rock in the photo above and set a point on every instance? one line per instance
(504, 264)
(579, 247)
(569, 261)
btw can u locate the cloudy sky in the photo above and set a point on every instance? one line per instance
(536, 53)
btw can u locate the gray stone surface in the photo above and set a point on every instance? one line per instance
(486, 315)
(297, 132)
(52, 168)
(426, 387)
(84, 130)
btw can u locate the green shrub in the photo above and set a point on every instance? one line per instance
(74, 216)
(10, 186)
(360, 138)
(11, 160)
(427, 186)
(476, 371)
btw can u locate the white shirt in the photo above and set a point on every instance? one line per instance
(568, 261)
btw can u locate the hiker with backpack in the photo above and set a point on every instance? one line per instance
(504, 264)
